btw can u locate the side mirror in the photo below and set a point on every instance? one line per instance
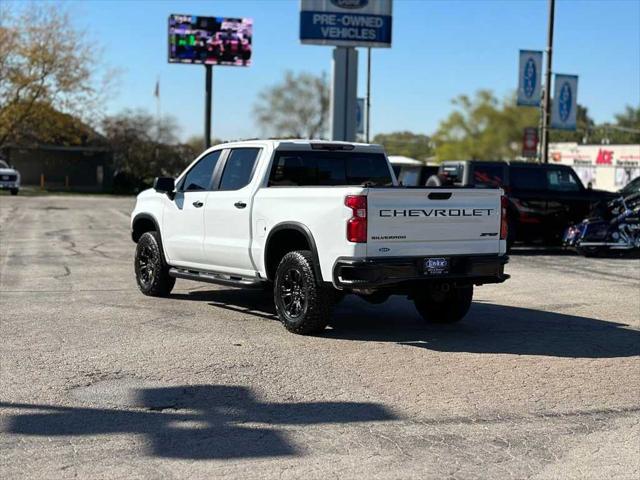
(164, 185)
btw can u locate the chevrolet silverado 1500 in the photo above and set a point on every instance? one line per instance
(312, 221)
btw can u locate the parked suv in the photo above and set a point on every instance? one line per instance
(9, 178)
(543, 199)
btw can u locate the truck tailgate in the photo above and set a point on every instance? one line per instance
(423, 221)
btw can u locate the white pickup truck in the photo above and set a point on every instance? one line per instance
(313, 221)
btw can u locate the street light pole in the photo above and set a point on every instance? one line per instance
(546, 106)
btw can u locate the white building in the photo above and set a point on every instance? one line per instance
(606, 167)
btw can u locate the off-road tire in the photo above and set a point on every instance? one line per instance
(315, 301)
(152, 271)
(441, 307)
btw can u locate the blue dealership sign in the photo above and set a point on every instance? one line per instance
(565, 102)
(349, 23)
(529, 78)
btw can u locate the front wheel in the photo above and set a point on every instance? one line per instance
(152, 271)
(303, 305)
(14, 191)
(444, 303)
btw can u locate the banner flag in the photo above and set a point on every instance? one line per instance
(565, 100)
(530, 78)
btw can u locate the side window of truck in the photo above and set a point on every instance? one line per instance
(199, 177)
(527, 178)
(238, 169)
(562, 180)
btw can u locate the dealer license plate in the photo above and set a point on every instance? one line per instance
(436, 266)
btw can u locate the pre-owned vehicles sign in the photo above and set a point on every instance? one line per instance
(347, 23)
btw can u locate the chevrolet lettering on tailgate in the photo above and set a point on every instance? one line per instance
(438, 212)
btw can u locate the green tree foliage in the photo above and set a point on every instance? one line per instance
(144, 147)
(484, 128)
(408, 144)
(45, 65)
(626, 128)
(297, 107)
(46, 125)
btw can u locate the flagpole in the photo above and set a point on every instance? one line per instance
(158, 114)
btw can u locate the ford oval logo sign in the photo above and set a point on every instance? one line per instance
(384, 249)
(564, 107)
(529, 78)
(350, 3)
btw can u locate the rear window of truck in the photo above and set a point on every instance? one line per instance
(488, 176)
(310, 169)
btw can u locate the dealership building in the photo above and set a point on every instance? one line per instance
(606, 167)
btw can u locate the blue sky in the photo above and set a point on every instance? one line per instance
(441, 48)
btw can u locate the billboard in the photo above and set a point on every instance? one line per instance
(529, 78)
(346, 23)
(564, 106)
(210, 40)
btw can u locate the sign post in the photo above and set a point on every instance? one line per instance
(360, 117)
(208, 93)
(345, 24)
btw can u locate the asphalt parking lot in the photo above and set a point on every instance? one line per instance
(541, 380)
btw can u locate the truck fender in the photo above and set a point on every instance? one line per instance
(304, 230)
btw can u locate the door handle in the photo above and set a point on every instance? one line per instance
(240, 204)
(198, 204)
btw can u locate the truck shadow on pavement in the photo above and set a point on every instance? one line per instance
(194, 422)
(487, 328)
(490, 328)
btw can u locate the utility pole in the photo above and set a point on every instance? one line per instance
(368, 106)
(546, 106)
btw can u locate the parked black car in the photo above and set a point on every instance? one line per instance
(543, 198)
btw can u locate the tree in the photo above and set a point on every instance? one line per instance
(408, 144)
(145, 147)
(298, 107)
(44, 61)
(483, 128)
(626, 128)
(196, 143)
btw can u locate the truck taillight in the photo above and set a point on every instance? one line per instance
(357, 224)
(504, 217)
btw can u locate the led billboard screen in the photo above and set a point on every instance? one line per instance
(210, 40)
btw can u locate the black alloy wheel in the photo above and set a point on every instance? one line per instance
(152, 271)
(302, 302)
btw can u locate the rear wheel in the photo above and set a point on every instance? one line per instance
(152, 271)
(303, 305)
(444, 304)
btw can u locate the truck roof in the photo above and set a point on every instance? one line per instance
(302, 144)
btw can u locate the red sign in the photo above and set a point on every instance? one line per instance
(605, 157)
(530, 142)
